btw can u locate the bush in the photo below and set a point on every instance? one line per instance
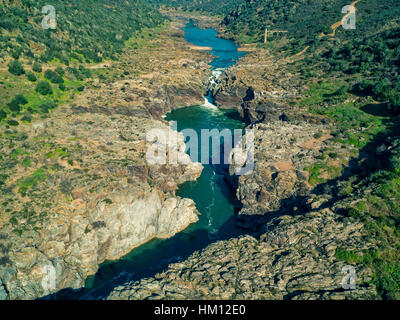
(46, 107)
(16, 54)
(3, 115)
(86, 73)
(53, 77)
(382, 89)
(15, 67)
(81, 88)
(13, 123)
(394, 104)
(365, 87)
(15, 104)
(44, 88)
(31, 76)
(60, 71)
(26, 118)
(37, 67)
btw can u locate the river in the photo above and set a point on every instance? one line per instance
(214, 196)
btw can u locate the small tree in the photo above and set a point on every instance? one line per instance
(60, 71)
(15, 104)
(53, 77)
(44, 88)
(3, 115)
(37, 67)
(15, 67)
(12, 123)
(31, 76)
(394, 104)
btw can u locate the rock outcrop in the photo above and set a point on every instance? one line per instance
(262, 89)
(285, 155)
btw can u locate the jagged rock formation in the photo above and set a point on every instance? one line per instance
(284, 157)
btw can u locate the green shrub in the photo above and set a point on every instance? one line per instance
(31, 181)
(15, 67)
(394, 104)
(365, 87)
(44, 108)
(12, 123)
(26, 118)
(3, 179)
(53, 77)
(333, 155)
(37, 67)
(16, 54)
(44, 88)
(3, 115)
(348, 256)
(15, 104)
(26, 162)
(382, 89)
(31, 76)
(60, 71)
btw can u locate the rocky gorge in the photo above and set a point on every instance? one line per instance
(91, 155)
(294, 228)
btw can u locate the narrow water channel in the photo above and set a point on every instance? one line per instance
(213, 195)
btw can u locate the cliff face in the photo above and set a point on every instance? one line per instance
(88, 194)
(262, 88)
(76, 245)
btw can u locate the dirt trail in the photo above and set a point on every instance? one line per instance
(339, 23)
(333, 27)
(301, 52)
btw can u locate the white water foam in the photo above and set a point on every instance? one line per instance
(207, 104)
(215, 74)
(213, 231)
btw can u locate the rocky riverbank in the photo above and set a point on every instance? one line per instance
(293, 259)
(88, 195)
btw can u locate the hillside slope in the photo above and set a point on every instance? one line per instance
(213, 7)
(89, 30)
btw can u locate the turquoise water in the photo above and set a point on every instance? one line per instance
(225, 51)
(213, 195)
